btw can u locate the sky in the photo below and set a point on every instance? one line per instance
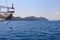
(49, 9)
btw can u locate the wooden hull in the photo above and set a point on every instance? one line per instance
(5, 16)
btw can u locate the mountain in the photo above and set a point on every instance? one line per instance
(43, 19)
(16, 18)
(31, 18)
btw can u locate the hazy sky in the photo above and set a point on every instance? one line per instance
(39, 8)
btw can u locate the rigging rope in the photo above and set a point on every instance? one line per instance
(9, 20)
(7, 5)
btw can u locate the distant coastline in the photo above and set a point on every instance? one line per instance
(31, 18)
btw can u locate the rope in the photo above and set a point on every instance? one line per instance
(9, 21)
(7, 5)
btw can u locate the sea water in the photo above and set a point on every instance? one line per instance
(29, 30)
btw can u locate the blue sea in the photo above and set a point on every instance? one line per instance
(29, 30)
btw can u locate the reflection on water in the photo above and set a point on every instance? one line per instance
(28, 31)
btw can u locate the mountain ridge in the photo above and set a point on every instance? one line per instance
(31, 18)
